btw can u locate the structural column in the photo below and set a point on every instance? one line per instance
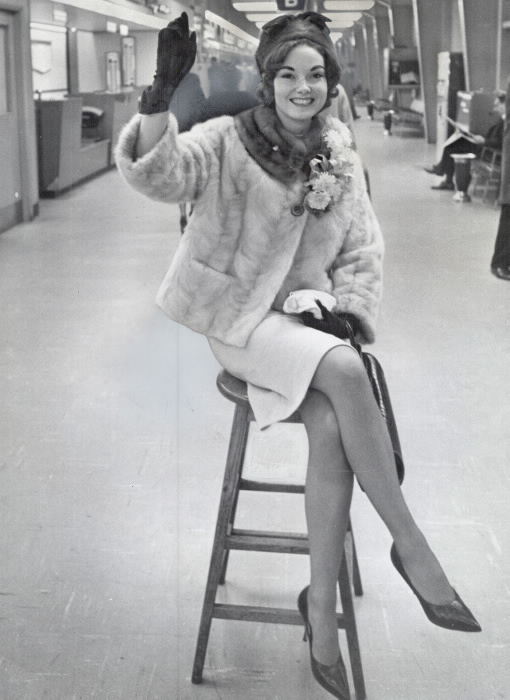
(385, 40)
(403, 25)
(433, 28)
(73, 85)
(480, 28)
(374, 65)
(362, 68)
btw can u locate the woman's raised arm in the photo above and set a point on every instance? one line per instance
(152, 128)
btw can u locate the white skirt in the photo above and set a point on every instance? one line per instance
(278, 364)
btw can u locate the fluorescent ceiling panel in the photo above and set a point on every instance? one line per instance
(343, 17)
(338, 19)
(335, 34)
(260, 21)
(340, 25)
(347, 5)
(254, 6)
(329, 5)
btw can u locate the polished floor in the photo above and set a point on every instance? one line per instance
(113, 439)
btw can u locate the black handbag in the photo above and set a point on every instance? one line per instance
(382, 396)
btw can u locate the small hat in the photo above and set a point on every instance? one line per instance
(307, 25)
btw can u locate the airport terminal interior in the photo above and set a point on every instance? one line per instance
(113, 434)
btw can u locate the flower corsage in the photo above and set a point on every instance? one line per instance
(330, 176)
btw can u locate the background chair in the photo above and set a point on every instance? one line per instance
(486, 175)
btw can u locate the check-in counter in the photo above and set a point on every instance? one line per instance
(117, 108)
(65, 157)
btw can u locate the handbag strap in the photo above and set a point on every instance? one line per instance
(352, 339)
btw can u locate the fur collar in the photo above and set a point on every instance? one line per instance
(279, 152)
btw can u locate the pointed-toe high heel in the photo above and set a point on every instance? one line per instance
(452, 616)
(332, 678)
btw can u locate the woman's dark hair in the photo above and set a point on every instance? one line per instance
(275, 59)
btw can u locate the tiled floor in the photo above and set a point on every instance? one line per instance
(113, 439)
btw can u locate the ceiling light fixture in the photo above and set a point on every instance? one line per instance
(348, 5)
(254, 6)
(343, 17)
(334, 27)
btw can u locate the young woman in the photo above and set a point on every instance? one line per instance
(281, 207)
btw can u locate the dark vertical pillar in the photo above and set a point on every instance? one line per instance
(72, 63)
(504, 64)
(403, 25)
(385, 40)
(433, 26)
(374, 66)
(362, 72)
(480, 31)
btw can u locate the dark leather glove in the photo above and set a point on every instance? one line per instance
(177, 49)
(334, 323)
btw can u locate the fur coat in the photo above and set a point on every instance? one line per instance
(249, 241)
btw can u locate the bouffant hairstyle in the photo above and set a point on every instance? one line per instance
(280, 36)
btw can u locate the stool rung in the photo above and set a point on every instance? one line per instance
(266, 541)
(254, 613)
(250, 485)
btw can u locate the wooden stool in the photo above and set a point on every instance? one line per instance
(228, 537)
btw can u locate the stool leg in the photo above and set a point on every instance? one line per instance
(242, 452)
(356, 574)
(351, 632)
(237, 444)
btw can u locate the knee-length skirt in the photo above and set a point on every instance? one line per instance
(278, 364)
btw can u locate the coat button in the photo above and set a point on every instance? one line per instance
(297, 210)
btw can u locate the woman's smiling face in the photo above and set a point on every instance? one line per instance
(300, 88)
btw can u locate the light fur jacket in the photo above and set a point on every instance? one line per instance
(244, 249)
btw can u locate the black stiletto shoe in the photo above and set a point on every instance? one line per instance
(332, 678)
(452, 616)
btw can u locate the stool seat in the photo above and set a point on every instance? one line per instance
(229, 538)
(232, 388)
(236, 390)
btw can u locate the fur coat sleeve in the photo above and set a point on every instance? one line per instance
(179, 166)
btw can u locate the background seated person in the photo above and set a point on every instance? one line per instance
(465, 142)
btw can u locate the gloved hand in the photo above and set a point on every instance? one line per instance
(177, 49)
(334, 323)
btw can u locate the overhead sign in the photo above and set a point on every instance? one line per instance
(291, 5)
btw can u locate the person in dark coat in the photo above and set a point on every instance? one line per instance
(215, 75)
(190, 106)
(500, 263)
